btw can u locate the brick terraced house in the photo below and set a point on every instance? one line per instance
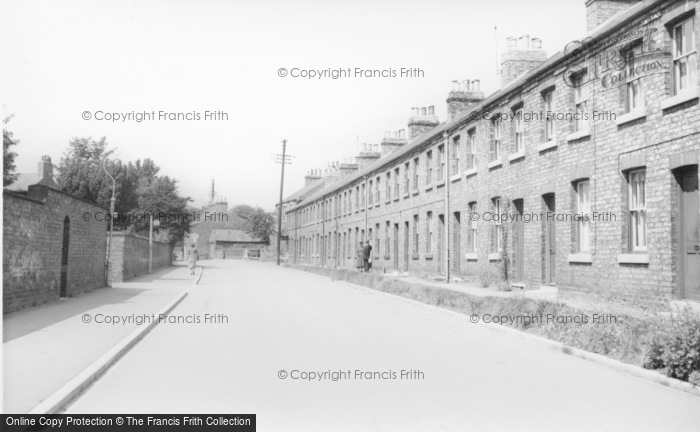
(580, 172)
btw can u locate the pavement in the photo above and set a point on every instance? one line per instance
(281, 323)
(45, 347)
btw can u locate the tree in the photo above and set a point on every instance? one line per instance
(81, 173)
(138, 190)
(261, 224)
(161, 199)
(8, 157)
(244, 211)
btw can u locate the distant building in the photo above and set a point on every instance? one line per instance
(234, 244)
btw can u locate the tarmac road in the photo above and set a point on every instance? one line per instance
(282, 325)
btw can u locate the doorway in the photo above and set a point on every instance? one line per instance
(519, 239)
(64, 258)
(396, 247)
(457, 243)
(689, 245)
(550, 240)
(406, 258)
(441, 243)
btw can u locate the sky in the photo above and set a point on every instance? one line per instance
(63, 59)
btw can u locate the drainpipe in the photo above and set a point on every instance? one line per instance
(448, 181)
(366, 216)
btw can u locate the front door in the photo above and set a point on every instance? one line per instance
(441, 243)
(406, 258)
(519, 237)
(457, 241)
(64, 257)
(690, 234)
(396, 247)
(550, 240)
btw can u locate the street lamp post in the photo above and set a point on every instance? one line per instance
(152, 223)
(112, 201)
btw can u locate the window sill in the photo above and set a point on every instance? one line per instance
(440, 183)
(415, 257)
(516, 156)
(578, 135)
(415, 192)
(470, 172)
(396, 199)
(584, 258)
(407, 194)
(632, 115)
(471, 256)
(494, 257)
(494, 164)
(429, 188)
(429, 257)
(633, 258)
(547, 145)
(684, 96)
(387, 202)
(456, 177)
(387, 257)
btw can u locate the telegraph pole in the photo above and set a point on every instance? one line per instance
(281, 159)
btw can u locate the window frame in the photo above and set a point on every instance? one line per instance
(518, 131)
(677, 58)
(636, 210)
(583, 213)
(581, 99)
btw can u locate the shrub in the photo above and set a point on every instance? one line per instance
(695, 378)
(676, 346)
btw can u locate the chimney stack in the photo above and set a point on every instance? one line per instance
(392, 143)
(600, 11)
(520, 57)
(466, 96)
(422, 121)
(312, 176)
(348, 167)
(368, 155)
(45, 172)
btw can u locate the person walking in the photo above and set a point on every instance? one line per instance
(367, 256)
(359, 261)
(192, 257)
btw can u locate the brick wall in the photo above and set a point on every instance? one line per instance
(33, 242)
(602, 157)
(130, 254)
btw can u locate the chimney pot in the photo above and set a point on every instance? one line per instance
(536, 43)
(423, 111)
(465, 85)
(476, 85)
(512, 42)
(455, 85)
(431, 110)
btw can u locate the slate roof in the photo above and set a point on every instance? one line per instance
(230, 236)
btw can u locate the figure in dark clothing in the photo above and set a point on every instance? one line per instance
(367, 256)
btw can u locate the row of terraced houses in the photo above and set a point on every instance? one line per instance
(581, 172)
